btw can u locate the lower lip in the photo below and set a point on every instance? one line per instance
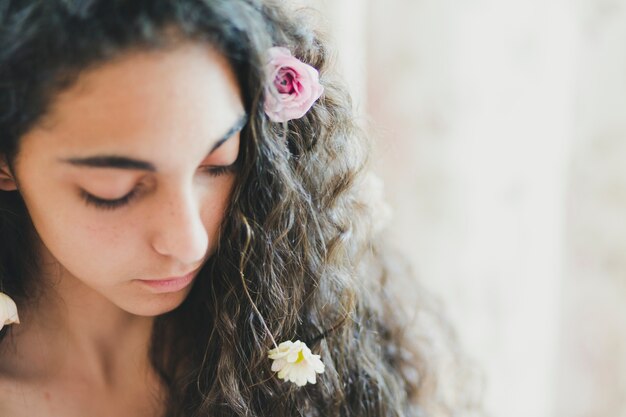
(169, 285)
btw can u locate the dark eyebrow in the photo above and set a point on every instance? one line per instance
(123, 162)
(237, 127)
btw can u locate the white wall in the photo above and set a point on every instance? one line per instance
(592, 355)
(501, 133)
(480, 120)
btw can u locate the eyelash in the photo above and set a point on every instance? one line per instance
(104, 204)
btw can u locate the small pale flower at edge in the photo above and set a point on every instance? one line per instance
(8, 311)
(294, 362)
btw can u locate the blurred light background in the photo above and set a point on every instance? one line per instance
(500, 131)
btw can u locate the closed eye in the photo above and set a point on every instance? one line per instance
(105, 204)
(108, 204)
(219, 170)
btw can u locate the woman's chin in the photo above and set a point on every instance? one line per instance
(156, 304)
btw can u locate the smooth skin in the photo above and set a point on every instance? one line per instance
(82, 350)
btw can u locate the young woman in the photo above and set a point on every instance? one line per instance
(181, 226)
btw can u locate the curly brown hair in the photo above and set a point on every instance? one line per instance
(296, 257)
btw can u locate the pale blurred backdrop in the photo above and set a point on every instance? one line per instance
(500, 128)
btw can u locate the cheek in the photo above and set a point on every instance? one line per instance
(83, 246)
(62, 220)
(76, 236)
(214, 210)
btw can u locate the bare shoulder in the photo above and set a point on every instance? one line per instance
(19, 399)
(20, 395)
(45, 397)
(35, 398)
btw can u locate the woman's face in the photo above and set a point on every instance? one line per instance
(128, 179)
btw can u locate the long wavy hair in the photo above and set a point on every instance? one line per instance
(296, 258)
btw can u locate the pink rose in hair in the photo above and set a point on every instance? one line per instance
(294, 86)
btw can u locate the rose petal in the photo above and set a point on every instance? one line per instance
(293, 99)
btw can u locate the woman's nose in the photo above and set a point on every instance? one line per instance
(178, 228)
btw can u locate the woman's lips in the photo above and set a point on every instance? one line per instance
(169, 284)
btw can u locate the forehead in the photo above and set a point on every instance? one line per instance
(143, 103)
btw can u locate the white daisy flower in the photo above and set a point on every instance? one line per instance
(8, 311)
(294, 362)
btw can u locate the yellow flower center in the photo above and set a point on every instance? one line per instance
(300, 357)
